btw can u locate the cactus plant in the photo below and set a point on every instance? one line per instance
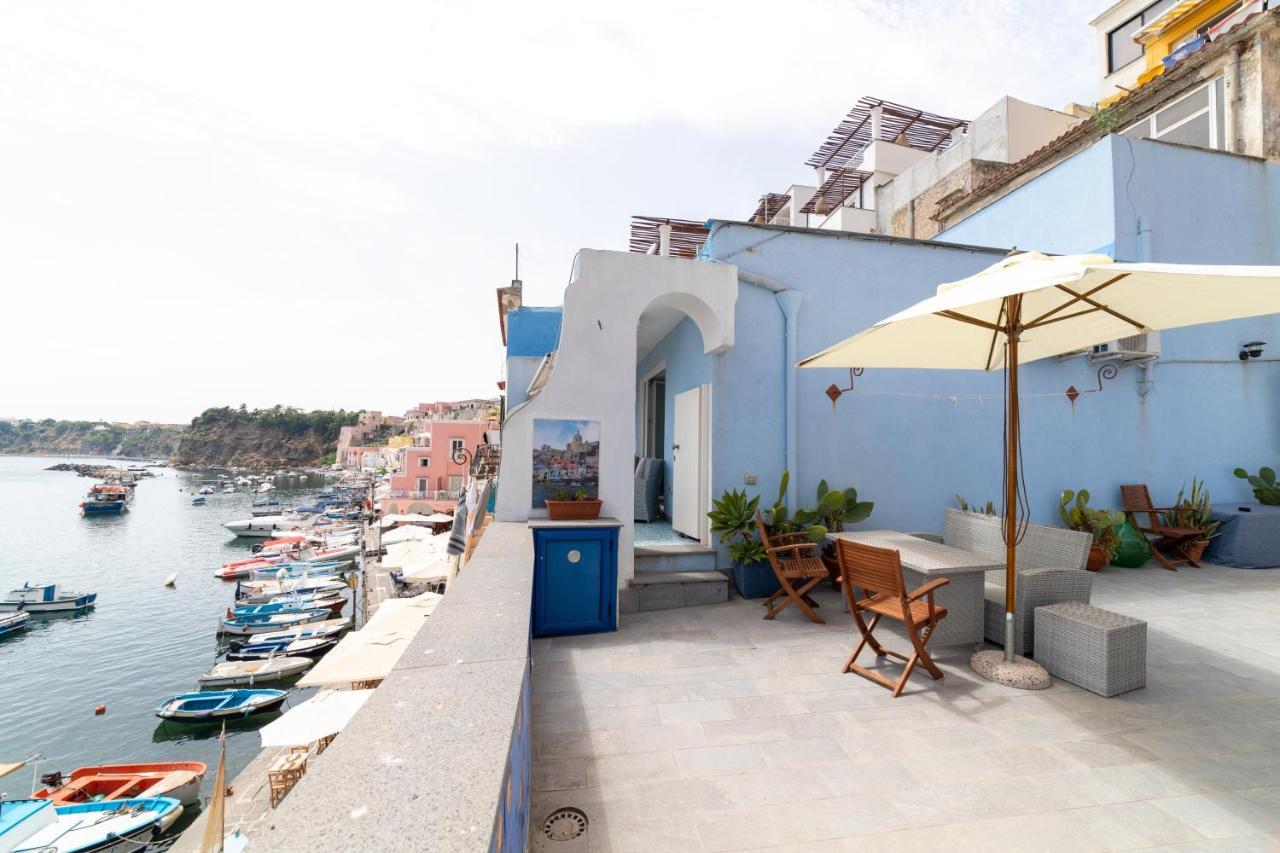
(1265, 487)
(835, 509)
(965, 506)
(1076, 513)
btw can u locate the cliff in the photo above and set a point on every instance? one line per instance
(89, 438)
(280, 437)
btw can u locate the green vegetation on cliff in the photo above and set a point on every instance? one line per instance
(89, 438)
(281, 436)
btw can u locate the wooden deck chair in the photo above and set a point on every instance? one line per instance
(1168, 544)
(796, 564)
(877, 572)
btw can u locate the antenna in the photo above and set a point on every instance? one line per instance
(517, 278)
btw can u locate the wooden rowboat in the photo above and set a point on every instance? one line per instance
(177, 779)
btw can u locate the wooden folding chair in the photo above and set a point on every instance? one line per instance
(1169, 544)
(877, 572)
(796, 564)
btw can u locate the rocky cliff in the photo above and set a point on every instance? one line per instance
(280, 437)
(89, 438)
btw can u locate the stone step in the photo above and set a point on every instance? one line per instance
(668, 590)
(675, 558)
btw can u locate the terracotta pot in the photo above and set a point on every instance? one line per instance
(1098, 557)
(1195, 550)
(573, 510)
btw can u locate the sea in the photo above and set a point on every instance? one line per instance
(142, 643)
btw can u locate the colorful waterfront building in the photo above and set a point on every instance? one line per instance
(434, 468)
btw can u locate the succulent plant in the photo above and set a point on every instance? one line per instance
(834, 510)
(1076, 513)
(1192, 511)
(1265, 488)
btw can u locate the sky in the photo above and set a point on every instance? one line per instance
(311, 203)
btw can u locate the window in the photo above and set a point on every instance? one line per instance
(1196, 118)
(1121, 48)
(455, 446)
(421, 484)
(455, 482)
(424, 461)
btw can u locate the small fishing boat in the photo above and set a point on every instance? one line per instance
(219, 705)
(178, 779)
(258, 527)
(265, 622)
(288, 648)
(233, 673)
(46, 598)
(121, 825)
(106, 499)
(295, 571)
(262, 592)
(205, 490)
(13, 622)
(291, 604)
(198, 500)
(228, 490)
(328, 629)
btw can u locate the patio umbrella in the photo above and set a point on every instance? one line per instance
(324, 714)
(406, 534)
(1032, 306)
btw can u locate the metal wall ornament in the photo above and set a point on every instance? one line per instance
(1105, 374)
(834, 391)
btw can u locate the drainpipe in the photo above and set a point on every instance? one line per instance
(1231, 113)
(789, 301)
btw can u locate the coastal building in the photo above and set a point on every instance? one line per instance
(433, 471)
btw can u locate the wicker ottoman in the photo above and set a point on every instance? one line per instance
(1098, 650)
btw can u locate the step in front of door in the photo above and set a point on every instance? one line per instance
(666, 590)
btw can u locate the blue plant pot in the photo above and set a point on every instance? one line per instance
(755, 580)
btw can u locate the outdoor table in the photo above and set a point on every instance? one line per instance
(1248, 538)
(923, 561)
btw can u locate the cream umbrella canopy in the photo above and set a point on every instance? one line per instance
(1033, 306)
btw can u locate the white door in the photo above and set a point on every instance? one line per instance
(688, 463)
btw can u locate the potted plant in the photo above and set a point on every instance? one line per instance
(834, 510)
(578, 507)
(733, 516)
(1192, 512)
(1078, 515)
(1265, 487)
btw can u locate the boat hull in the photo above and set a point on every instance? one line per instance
(80, 602)
(13, 622)
(248, 673)
(179, 780)
(188, 708)
(105, 508)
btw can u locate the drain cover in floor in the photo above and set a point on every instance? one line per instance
(565, 825)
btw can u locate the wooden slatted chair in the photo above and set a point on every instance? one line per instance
(877, 573)
(1168, 544)
(796, 564)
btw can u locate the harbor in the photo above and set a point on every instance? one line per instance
(153, 632)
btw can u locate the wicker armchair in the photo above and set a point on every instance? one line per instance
(648, 489)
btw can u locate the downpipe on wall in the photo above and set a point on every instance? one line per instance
(789, 301)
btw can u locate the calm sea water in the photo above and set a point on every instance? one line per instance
(142, 643)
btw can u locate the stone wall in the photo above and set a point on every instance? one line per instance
(915, 219)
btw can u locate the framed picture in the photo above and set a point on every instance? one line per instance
(566, 459)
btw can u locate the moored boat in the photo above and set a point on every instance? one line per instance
(219, 705)
(233, 673)
(177, 779)
(198, 500)
(38, 825)
(262, 623)
(12, 622)
(46, 598)
(315, 630)
(287, 647)
(262, 592)
(290, 604)
(106, 499)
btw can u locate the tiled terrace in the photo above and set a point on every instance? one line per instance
(710, 729)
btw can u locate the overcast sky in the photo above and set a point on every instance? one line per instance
(311, 203)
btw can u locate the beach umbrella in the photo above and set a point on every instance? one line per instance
(406, 534)
(1032, 306)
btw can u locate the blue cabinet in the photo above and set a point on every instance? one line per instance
(575, 577)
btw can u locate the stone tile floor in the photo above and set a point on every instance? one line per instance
(709, 729)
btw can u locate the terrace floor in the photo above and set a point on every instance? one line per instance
(709, 729)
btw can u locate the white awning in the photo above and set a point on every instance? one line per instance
(406, 534)
(324, 714)
(369, 653)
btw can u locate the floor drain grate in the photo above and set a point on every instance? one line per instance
(565, 825)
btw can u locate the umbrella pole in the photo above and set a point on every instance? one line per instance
(1013, 324)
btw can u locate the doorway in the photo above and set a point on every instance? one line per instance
(653, 435)
(690, 452)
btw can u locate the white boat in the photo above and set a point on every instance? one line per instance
(264, 487)
(312, 631)
(259, 527)
(10, 622)
(228, 490)
(204, 490)
(249, 672)
(46, 598)
(261, 624)
(262, 592)
(120, 825)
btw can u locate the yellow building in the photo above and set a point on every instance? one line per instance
(398, 441)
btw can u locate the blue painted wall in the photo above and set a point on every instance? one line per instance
(687, 367)
(533, 331)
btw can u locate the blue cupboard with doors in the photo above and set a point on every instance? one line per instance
(575, 576)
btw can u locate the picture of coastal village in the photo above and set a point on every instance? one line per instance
(935, 352)
(566, 460)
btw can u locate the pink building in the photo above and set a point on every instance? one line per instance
(428, 477)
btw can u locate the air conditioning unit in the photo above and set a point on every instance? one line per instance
(1138, 347)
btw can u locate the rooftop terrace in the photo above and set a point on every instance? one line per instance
(710, 729)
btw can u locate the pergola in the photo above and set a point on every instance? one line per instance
(844, 145)
(839, 185)
(687, 236)
(770, 204)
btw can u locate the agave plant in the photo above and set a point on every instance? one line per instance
(1076, 513)
(1265, 488)
(1192, 511)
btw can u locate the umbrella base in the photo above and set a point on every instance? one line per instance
(1022, 673)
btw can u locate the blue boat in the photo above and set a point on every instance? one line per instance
(219, 705)
(106, 499)
(262, 622)
(198, 500)
(288, 604)
(46, 598)
(27, 826)
(281, 648)
(12, 622)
